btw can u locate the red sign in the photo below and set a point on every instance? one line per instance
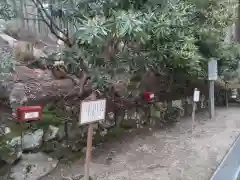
(148, 96)
(29, 113)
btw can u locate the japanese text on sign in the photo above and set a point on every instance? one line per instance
(92, 111)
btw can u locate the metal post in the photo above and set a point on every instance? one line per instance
(211, 99)
(89, 151)
(226, 94)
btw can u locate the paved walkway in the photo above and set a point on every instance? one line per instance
(171, 154)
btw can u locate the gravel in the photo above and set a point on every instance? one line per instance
(171, 154)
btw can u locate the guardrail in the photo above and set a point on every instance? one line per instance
(229, 168)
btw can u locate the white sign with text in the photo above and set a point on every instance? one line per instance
(196, 95)
(92, 111)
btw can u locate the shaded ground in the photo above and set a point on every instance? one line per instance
(171, 154)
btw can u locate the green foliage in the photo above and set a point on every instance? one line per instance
(4, 147)
(49, 118)
(133, 37)
(6, 65)
(6, 12)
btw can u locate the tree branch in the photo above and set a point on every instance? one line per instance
(43, 11)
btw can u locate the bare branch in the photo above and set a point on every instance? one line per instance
(43, 11)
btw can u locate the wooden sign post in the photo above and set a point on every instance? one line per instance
(196, 97)
(91, 112)
(212, 76)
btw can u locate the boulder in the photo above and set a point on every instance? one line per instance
(32, 140)
(51, 133)
(33, 166)
(12, 150)
(61, 133)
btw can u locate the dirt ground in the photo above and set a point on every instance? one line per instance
(171, 154)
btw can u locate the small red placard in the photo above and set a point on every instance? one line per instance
(29, 113)
(148, 96)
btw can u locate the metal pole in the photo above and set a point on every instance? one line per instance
(89, 152)
(211, 99)
(193, 115)
(226, 94)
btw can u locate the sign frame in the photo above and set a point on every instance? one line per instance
(22, 111)
(96, 120)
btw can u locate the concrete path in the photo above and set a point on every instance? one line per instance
(171, 154)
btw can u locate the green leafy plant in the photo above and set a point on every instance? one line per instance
(49, 118)
(7, 66)
(6, 11)
(174, 37)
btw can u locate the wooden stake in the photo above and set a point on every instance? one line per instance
(89, 152)
(196, 97)
(22, 134)
(193, 115)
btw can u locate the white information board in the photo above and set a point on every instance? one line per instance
(196, 95)
(212, 70)
(92, 111)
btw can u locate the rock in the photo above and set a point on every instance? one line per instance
(4, 130)
(50, 146)
(7, 130)
(155, 112)
(103, 133)
(33, 166)
(75, 177)
(61, 133)
(51, 133)
(76, 147)
(177, 103)
(161, 105)
(32, 140)
(17, 96)
(77, 132)
(108, 122)
(84, 150)
(13, 150)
